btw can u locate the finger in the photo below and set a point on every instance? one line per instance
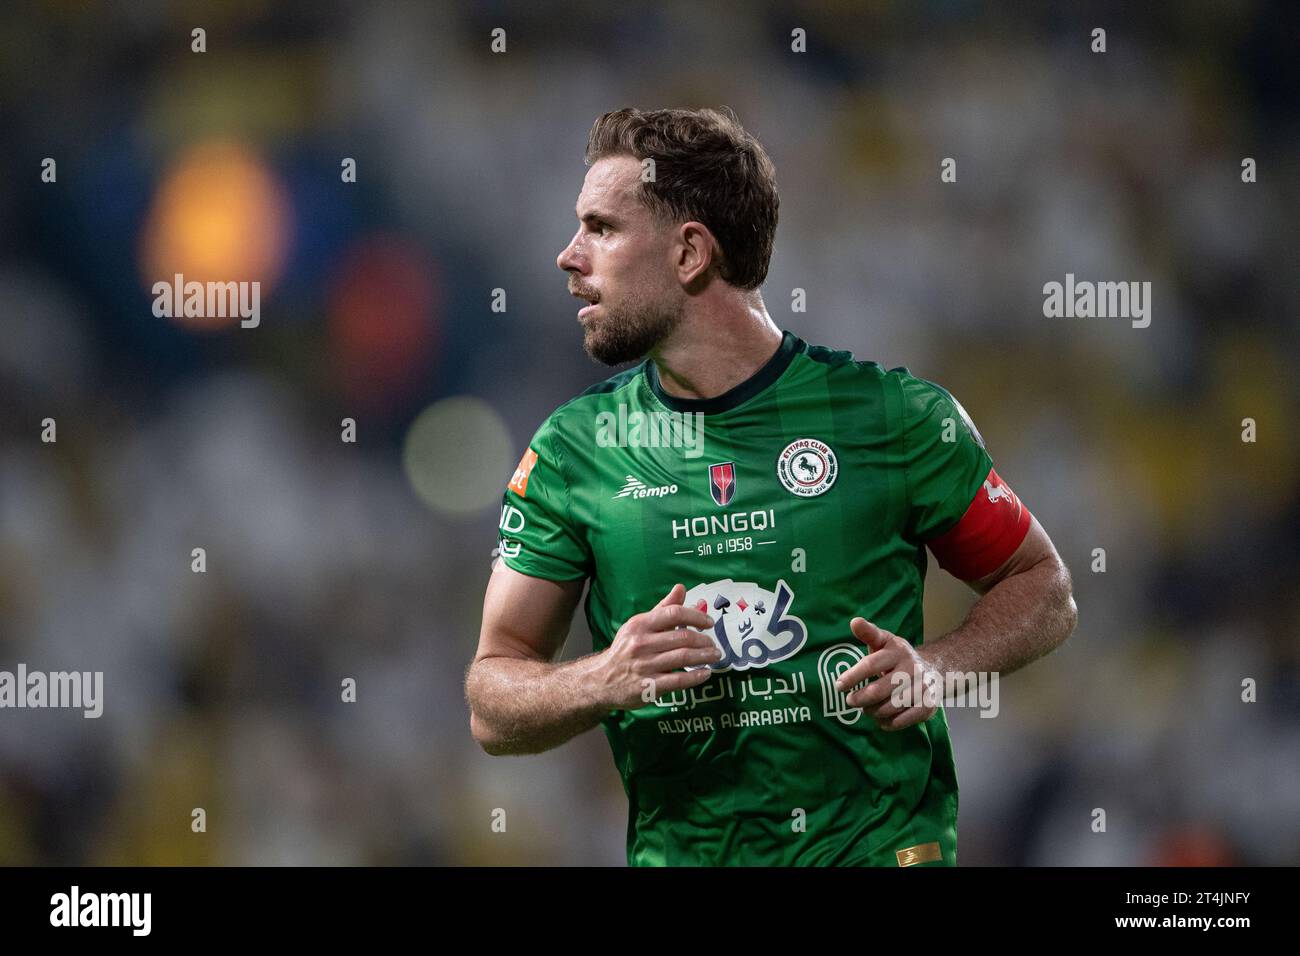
(873, 694)
(680, 680)
(657, 642)
(889, 707)
(894, 693)
(677, 615)
(672, 597)
(877, 662)
(874, 637)
(669, 661)
(908, 718)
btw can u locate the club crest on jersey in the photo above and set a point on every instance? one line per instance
(752, 626)
(998, 492)
(722, 482)
(807, 467)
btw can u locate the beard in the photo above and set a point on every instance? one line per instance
(629, 332)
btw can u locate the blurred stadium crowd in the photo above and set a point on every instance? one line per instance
(328, 560)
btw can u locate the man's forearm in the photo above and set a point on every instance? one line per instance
(1019, 619)
(525, 707)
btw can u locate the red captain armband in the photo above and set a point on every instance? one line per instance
(987, 534)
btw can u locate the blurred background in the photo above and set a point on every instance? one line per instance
(367, 560)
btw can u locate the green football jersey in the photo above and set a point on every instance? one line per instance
(801, 498)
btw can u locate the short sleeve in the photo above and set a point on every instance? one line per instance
(945, 459)
(538, 535)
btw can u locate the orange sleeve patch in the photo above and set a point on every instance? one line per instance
(519, 483)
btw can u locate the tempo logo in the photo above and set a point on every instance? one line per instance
(102, 909)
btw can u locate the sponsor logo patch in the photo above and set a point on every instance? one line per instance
(833, 662)
(722, 483)
(752, 626)
(519, 483)
(635, 488)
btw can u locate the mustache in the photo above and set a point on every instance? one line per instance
(583, 292)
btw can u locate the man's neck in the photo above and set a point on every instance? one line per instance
(708, 356)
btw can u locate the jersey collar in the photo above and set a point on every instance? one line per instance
(790, 346)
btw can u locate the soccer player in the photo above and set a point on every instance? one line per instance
(752, 513)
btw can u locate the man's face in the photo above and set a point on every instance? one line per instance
(620, 259)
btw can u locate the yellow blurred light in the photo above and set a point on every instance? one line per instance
(219, 215)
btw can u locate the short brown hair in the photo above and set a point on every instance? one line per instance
(707, 169)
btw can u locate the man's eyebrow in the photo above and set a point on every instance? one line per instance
(594, 214)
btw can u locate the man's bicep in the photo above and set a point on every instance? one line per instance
(1035, 547)
(525, 617)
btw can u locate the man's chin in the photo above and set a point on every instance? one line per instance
(603, 353)
(628, 342)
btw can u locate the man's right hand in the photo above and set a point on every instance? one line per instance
(648, 651)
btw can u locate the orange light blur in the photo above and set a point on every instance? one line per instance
(219, 215)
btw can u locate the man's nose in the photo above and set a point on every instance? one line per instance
(568, 259)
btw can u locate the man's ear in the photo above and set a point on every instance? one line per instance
(698, 253)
